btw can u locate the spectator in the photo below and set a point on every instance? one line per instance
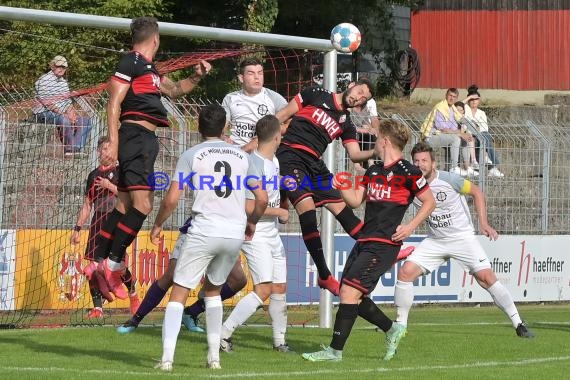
(477, 116)
(440, 129)
(55, 106)
(471, 144)
(365, 119)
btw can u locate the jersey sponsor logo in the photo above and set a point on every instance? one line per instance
(377, 191)
(245, 130)
(440, 221)
(441, 196)
(330, 125)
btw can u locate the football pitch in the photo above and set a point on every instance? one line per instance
(442, 343)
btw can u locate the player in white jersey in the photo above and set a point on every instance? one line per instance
(243, 109)
(265, 252)
(213, 170)
(451, 235)
(246, 106)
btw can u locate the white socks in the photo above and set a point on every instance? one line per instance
(214, 315)
(170, 329)
(504, 301)
(243, 310)
(403, 299)
(278, 314)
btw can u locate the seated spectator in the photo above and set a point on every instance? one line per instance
(441, 130)
(477, 116)
(365, 119)
(471, 144)
(55, 106)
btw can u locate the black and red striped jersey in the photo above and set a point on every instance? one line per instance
(103, 199)
(142, 101)
(390, 190)
(319, 121)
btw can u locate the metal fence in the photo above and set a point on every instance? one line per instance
(41, 188)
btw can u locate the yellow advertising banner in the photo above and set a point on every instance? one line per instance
(49, 275)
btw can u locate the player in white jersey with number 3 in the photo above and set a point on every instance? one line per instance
(451, 235)
(265, 252)
(213, 170)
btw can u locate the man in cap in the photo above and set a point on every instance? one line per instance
(55, 106)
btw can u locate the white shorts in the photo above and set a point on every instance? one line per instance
(175, 254)
(266, 258)
(467, 250)
(199, 255)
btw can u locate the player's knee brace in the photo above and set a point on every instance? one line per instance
(350, 222)
(308, 222)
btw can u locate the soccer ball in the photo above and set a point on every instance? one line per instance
(345, 37)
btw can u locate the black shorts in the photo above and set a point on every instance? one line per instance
(367, 262)
(312, 175)
(138, 149)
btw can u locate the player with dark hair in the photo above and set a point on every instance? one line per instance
(214, 239)
(390, 189)
(265, 253)
(135, 92)
(451, 235)
(318, 118)
(100, 194)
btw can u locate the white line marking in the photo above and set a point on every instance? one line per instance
(293, 373)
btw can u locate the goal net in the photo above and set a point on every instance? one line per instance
(43, 187)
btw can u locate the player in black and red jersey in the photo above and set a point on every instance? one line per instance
(318, 118)
(389, 189)
(100, 196)
(134, 101)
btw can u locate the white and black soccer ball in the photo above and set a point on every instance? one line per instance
(345, 37)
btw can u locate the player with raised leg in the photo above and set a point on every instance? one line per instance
(135, 92)
(318, 117)
(453, 239)
(215, 237)
(390, 189)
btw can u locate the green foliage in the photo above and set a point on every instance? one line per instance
(260, 15)
(92, 53)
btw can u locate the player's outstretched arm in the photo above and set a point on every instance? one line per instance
(352, 194)
(357, 155)
(481, 208)
(175, 89)
(287, 112)
(404, 231)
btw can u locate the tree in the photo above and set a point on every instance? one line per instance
(91, 53)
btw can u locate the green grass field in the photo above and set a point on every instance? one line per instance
(442, 342)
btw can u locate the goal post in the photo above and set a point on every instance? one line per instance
(226, 35)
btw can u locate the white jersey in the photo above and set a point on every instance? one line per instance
(243, 112)
(451, 216)
(268, 172)
(218, 209)
(364, 116)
